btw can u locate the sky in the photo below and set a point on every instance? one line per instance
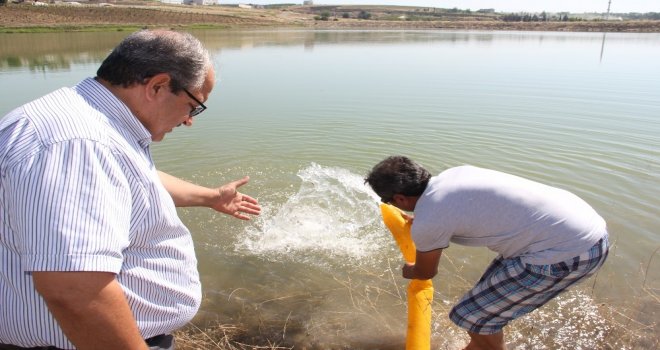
(575, 6)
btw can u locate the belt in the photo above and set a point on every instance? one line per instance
(15, 347)
(162, 341)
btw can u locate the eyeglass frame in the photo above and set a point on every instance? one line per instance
(197, 110)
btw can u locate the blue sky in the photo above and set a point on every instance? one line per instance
(499, 5)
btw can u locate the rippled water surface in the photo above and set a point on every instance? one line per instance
(307, 113)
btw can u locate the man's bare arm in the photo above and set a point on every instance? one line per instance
(91, 309)
(425, 266)
(224, 199)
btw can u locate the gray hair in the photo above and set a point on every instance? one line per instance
(146, 53)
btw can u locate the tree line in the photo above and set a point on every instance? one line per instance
(533, 17)
(563, 17)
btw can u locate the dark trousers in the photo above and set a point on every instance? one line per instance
(159, 342)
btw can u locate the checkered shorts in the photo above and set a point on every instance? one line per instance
(510, 289)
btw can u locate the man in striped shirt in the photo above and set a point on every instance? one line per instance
(92, 252)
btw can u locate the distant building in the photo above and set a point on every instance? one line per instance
(196, 2)
(308, 2)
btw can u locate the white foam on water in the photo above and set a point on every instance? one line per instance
(332, 218)
(571, 321)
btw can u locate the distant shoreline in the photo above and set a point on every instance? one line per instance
(620, 27)
(27, 17)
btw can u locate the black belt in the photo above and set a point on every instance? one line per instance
(163, 341)
(15, 347)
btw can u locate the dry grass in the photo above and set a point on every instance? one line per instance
(20, 16)
(217, 337)
(145, 13)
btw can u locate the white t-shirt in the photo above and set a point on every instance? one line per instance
(508, 214)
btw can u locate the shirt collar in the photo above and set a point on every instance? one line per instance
(107, 103)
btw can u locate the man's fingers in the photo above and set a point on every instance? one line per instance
(249, 199)
(241, 182)
(251, 209)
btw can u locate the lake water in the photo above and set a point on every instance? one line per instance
(307, 113)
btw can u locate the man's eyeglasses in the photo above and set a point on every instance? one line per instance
(200, 106)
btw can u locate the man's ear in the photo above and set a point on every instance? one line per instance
(157, 85)
(404, 202)
(399, 199)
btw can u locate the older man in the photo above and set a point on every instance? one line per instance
(93, 253)
(547, 238)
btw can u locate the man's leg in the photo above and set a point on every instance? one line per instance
(486, 341)
(510, 289)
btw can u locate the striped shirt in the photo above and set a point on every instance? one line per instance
(79, 192)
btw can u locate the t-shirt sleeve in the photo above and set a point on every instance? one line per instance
(428, 234)
(71, 208)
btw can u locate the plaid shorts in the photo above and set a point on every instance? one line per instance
(510, 289)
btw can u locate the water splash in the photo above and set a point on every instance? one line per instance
(332, 218)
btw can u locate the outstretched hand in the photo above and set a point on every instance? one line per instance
(234, 203)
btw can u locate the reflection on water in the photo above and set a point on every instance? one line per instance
(54, 51)
(602, 48)
(57, 51)
(307, 113)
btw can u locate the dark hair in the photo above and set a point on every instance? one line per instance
(397, 175)
(146, 53)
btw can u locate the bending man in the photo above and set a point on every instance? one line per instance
(547, 238)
